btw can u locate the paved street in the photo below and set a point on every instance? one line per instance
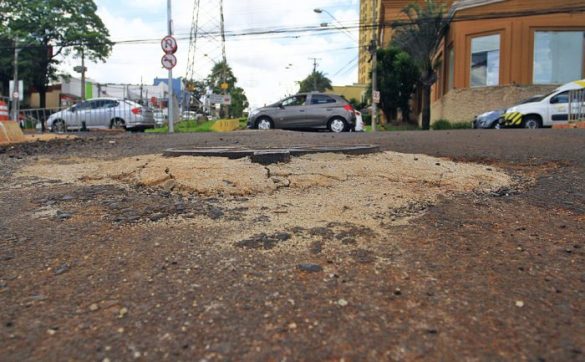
(106, 253)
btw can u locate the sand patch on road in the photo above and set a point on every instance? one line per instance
(310, 190)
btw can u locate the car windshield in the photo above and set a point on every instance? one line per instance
(536, 98)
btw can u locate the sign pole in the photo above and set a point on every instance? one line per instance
(171, 102)
(16, 91)
(374, 64)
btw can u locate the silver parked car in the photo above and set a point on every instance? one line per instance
(102, 113)
(306, 110)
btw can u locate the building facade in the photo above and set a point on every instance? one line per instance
(498, 52)
(368, 26)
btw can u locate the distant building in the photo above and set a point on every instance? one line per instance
(355, 91)
(366, 33)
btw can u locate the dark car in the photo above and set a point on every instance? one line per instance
(306, 110)
(492, 119)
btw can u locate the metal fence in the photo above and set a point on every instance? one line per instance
(577, 105)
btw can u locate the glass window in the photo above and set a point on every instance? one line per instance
(97, 104)
(294, 101)
(321, 99)
(485, 61)
(558, 56)
(560, 98)
(83, 105)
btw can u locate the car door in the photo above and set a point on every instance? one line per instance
(320, 109)
(559, 108)
(80, 114)
(291, 113)
(107, 112)
(96, 115)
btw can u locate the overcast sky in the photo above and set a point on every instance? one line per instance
(259, 62)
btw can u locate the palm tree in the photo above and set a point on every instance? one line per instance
(316, 81)
(420, 37)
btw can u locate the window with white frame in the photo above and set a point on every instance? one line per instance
(485, 60)
(558, 56)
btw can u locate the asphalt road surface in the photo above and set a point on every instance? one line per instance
(476, 276)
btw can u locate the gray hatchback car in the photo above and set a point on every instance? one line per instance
(306, 110)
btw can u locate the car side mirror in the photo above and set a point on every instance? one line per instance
(554, 100)
(72, 109)
(280, 106)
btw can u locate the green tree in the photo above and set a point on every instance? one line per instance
(397, 79)
(222, 73)
(316, 81)
(420, 37)
(47, 29)
(239, 103)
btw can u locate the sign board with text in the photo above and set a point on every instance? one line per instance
(220, 99)
(12, 91)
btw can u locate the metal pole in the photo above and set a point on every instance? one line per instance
(15, 91)
(82, 74)
(170, 105)
(374, 61)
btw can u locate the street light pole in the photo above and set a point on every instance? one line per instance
(339, 25)
(171, 111)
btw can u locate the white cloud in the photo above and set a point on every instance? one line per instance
(259, 62)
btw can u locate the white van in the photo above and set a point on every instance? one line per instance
(548, 110)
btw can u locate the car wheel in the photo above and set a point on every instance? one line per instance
(337, 125)
(59, 126)
(264, 123)
(117, 123)
(531, 122)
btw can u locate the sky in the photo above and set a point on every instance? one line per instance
(267, 66)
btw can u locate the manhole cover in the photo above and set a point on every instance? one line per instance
(266, 155)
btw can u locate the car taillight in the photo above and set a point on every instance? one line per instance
(349, 108)
(137, 110)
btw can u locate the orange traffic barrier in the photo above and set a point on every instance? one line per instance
(4, 111)
(9, 130)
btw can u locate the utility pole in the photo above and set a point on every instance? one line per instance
(374, 61)
(82, 74)
(171, 111)
(15, 91)
(315, 73)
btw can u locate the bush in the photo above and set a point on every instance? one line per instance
(461, 125)
(441, 125)
(444, 124)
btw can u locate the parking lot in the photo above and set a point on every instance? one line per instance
(445, 245)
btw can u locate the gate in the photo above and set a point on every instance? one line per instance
(577, 105)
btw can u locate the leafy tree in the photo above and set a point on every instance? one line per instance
(397, 78)
(49, 28)
(420, 37)
(221, 72)
(239, 103)
(316, 81)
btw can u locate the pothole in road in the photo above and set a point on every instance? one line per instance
(310, 192)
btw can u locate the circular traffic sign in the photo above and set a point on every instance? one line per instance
(169, 61)
(169, 44)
